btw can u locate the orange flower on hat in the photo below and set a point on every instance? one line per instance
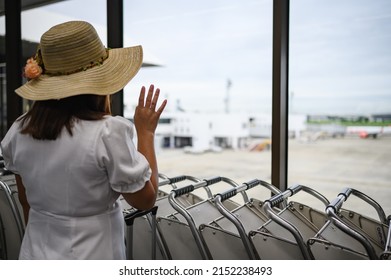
(32, 69)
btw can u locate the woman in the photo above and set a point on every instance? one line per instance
(72, 159)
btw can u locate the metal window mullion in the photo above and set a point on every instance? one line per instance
(13, 50)
(115, 40)
(280, 94)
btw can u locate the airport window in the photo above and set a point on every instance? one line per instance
(339, 98)
(213, 62)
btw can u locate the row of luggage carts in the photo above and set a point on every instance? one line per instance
(192, 220)
(185, 225)
(11, 218)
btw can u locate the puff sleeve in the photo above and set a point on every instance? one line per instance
(127, 169)
(7, 148)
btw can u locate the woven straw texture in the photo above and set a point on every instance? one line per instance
(76, 62)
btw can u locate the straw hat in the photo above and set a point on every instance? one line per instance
(72, 60)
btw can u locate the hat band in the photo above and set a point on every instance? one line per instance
(80, 69)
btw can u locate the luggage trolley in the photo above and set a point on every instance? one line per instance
(129, 220)
(345, 237)
(227, 236)
(141, 235)
(386, 255)
(285, 234)
(165, 207)
(180, 230)
(11, 221)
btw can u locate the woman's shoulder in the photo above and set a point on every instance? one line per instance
(116, 125)
(117, 121)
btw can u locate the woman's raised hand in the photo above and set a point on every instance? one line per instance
(146, 117)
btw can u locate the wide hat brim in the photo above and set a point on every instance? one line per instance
(110, 77)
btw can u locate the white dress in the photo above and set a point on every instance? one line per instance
(73, 184)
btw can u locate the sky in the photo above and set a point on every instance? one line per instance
(214, 50)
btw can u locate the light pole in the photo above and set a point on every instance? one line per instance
(227, 99)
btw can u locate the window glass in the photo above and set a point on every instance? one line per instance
(212, 60)
(340, 109)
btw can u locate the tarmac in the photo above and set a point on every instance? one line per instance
(326, 165)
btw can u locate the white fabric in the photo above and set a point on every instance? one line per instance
(72, 185)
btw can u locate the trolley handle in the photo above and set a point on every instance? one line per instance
(212, 180)
(183, 190)
(129, 218)
(295, 189)
(192, 187)
(232, 192)
(172, 180)
(177, 179)
(251, 184)
(281, 197)
(227, 194)
(292, 190)
(277, 199)
(337, 203)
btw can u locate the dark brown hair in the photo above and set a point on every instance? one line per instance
(46, 119)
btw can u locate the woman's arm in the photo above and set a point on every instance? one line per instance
(22, 198)
(146, 118)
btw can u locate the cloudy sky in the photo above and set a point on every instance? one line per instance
(340, 55)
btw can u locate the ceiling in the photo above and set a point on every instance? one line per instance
(30, 47)
(28, 4)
